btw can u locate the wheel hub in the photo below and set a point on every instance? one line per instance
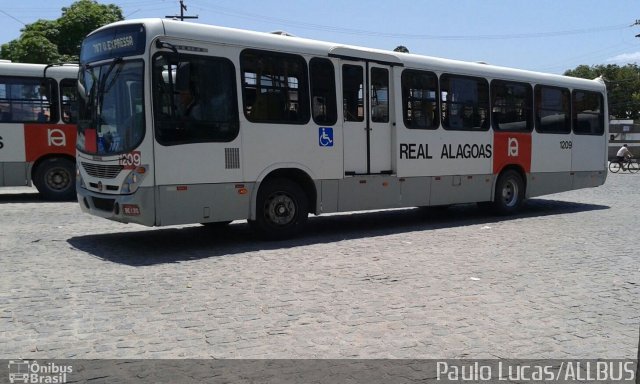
(281, 210)
(509, 193)
(58, 179)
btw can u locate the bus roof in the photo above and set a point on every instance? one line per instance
(286, 43)
(66, 70)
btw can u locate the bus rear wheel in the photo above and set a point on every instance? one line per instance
(509, 193)
(55, 179)
(281, 210)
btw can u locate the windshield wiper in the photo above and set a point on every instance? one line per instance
(106, 88)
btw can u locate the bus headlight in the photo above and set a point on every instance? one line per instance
(133, 179)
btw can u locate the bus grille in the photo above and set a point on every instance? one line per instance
(102, 171)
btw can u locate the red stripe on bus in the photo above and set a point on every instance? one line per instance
(44, 139)
(511, 148)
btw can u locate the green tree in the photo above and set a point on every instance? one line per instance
(623, 87)
(80, 19)
(46, 41)
(31, 48)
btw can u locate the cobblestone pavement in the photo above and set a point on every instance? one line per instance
(559, 280)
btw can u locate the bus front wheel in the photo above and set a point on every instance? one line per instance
(55, 179)
(509, 193)
(281, 210)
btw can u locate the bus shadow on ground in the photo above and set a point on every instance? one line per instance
(173, 245)
(21, 197)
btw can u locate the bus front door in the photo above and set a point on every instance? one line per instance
(367, 125)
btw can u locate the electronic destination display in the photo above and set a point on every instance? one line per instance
(114, 42)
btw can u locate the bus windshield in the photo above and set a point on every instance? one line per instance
(111, 107)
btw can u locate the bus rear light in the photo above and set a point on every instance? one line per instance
(140, 170)
(182, 188)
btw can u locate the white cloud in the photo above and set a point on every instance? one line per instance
(625, 58)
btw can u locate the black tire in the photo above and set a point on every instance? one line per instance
(509, 193)
(633, 167)
(281, 210)
(614, 167)
(55, 179)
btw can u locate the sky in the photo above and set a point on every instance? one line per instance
(541, 35)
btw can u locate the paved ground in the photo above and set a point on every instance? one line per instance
(562, 279)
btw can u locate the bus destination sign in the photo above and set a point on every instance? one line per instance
(113, 42)
(111, 45)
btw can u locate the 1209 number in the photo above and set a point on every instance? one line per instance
(130, 160)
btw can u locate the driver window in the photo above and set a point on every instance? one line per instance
(194, 99)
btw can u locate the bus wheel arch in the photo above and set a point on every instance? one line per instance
(282, 203)
(509, 190)
(55, 177)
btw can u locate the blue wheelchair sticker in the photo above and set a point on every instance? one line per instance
(325, 136)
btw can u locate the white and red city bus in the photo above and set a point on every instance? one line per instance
(38, 113)
(187, 123)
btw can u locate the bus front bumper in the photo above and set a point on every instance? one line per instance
(135, 208)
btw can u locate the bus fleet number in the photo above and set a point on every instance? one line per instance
(1, 143)
(566, 144)
(130, 160)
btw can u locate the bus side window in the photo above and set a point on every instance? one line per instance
(353, 92)
(274, 87)
(194, 100)
(511, 106)
(552, 105)
(69, 97)
(465, 102)
(28, 100)
(379, 95)
(323, 91)
(588, 114)
(420, 99)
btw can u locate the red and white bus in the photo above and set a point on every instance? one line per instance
(38, 113)
(187, 123)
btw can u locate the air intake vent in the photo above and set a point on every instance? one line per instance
(232, 158)
(102, 171)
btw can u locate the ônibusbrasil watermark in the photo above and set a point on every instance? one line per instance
(27, 371)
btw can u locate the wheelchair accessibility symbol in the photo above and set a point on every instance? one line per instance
(325, 136)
